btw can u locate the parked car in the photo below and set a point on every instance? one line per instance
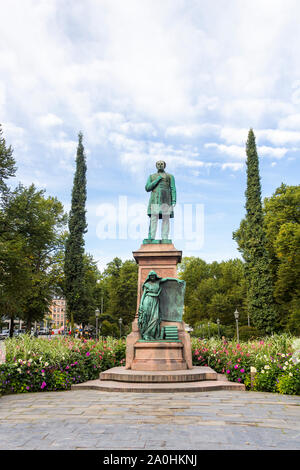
(4, 334)
(44, 331)
(19, 332)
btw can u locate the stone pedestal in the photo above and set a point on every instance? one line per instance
(163, 259)
(161, 355)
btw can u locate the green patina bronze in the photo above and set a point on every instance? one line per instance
(161, 202)
(171, 300)
(162, 299)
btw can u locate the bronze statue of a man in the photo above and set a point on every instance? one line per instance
(162, 200)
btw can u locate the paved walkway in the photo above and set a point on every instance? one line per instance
(89, 419)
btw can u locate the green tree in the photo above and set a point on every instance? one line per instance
(90, 290)
(118, 288)
(213, 290)
(252, 244)
(7, 163)
(31, 239)
(282, 228)
(74, 251)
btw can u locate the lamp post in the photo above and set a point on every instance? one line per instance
(208, 325)
(248, 319)
(236, 316)
(97, 313)
(120, 323)
(218, 322)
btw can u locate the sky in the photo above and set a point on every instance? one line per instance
(144, 80)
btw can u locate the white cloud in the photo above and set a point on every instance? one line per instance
(274, 136)
(232, 166)
(272, 152)
(49, 120)
(234, 151)
(291, 122)
(239, 152)
(192, 130)
(15, 136)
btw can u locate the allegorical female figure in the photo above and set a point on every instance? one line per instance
(149, 314)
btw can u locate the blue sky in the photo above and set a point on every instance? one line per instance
(178, 80)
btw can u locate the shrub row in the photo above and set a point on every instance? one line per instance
(34, 365)
(268, 365)
(39, 364)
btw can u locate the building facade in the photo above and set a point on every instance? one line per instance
(58, 312)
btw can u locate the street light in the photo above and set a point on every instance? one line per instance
(218, 322)
(236, 316)
(120, 323)
(97, 313)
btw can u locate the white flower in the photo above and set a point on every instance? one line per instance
(267, 367)
(46, 364)
(290, 374)
(253, 370)
(284, 367)
(19, 370)
(262, 371)
(286, 363)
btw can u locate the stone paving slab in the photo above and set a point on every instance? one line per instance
(87, 419)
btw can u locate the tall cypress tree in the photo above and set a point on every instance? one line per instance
(252, 244)
(74, 251)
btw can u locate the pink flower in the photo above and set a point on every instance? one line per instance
(242, 371)
(88, 354)
(43, 385)
(236, 366)
(228, 371)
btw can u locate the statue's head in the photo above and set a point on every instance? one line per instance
(152, 276)
(160, 165)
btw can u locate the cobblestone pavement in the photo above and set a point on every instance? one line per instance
(89, 419)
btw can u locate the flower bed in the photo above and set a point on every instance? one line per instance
(40, 364)
(269, 365)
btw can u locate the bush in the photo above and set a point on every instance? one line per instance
(40, 364)
(273, 361)
(247, 333)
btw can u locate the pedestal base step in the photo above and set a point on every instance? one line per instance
(121, 374)
(113, 386)
(198, 379)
